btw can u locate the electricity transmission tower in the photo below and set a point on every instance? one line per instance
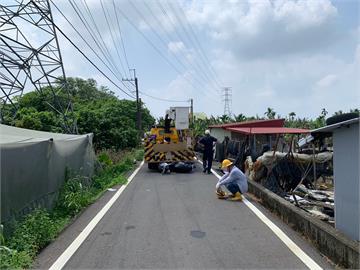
(28, 61)
(227, 99)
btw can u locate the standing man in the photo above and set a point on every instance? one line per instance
(234, 180)
(208, 142)
(167, 123)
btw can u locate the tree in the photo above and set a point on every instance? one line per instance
(292, 116)
(270, 113)
(324, 112)
(97, 110)
(240, 117)
(225, 119)
(338, 112)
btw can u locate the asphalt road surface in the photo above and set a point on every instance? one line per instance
(175, 221)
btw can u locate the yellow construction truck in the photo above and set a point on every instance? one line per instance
(170, 143)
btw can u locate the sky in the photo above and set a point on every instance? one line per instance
(292, 56)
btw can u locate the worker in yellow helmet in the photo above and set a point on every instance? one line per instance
(234, 180)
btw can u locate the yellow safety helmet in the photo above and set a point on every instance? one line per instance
(226, 163)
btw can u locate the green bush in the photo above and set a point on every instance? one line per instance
(31, 234)
(13, 259)
(74, 196)
(104, 159)
(119, 180)
(34, 232)
(112, 174)
(139, 154)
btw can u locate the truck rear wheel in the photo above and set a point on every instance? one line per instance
(153, 166)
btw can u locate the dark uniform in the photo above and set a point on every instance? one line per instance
(207, 141)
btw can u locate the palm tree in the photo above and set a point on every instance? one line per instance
(270, 113)
(224, 119)
(324, 112)
(240, 117)
(338, 112)
(292, 116)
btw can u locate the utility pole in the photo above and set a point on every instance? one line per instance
(138, 101)
(192, 111)
(227, 97)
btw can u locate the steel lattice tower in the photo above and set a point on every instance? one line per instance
(227, 99)
(25, 59)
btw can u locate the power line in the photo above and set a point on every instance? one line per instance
(178, 36)
(96, 40)
(99, 33)
(112, 36)
(83, 54)
(88, 28)
(159, 37)
(154, 31)
(163, 99)
(152, 44)
(177, 18)
(121, 36)
(203, 54)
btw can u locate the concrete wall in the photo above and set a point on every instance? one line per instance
(220, 133)
(346, 177)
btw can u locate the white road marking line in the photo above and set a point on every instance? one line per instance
(69, 252)
(310, 263)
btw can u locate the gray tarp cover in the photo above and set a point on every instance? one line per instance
(33, 167)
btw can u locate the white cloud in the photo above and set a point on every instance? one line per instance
(284, 54)
(303, 14)
(292, 84)
(176, 46)
(357, 54)
(264, 93)
(327, 81)
(264, 28)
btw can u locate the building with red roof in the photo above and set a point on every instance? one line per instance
(259, 132)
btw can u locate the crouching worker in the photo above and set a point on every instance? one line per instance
(234, 180)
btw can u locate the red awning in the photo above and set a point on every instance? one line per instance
(268, 130)
(253, 123)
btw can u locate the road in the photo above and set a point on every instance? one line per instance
(175, 221)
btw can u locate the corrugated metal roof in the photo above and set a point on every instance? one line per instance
(268, 130)
(254, 123)
(331, 128)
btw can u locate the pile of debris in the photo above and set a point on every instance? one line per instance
(319, 203)
(293, 176)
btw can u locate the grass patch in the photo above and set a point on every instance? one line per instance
(37, 229)
(139, 154)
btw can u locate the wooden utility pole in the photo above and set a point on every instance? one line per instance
(192, 112)
(138, 102)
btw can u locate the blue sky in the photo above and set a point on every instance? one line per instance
(293, 56)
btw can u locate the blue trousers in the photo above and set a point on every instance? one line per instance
(233, 188)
